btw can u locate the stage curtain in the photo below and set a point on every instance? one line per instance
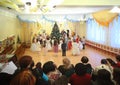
(104, 18)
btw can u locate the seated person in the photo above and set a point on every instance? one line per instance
(67, 68)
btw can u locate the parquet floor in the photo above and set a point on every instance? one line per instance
(94, 56)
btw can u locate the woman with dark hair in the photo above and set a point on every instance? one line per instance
(41, 77)
(25, 77)
(88, 66)
(80, 77)
(111, 62)
(25, 62)
(104, 65)
(49, 68)
(103, 78)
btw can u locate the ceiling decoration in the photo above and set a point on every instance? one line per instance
(31, 6)
(10, 4)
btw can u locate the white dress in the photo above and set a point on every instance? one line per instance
(35, 47)
(59, 47)
(75, 48)
(48, 45)
(80, 45)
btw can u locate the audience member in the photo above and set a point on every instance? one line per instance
(25, 77)
(63, 80)
(116, 75)
(5, 78)
(41, 77)
(67, 68)
(51, 70)
(111, 62)
(25, 62)
(88, 66)
(104, 65)
(118, 60)
(80, 77)
(103, 78)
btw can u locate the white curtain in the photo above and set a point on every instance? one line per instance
(109, 36)
(115, 33)
(95, 32)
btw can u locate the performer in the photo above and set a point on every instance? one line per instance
(63, 47)
(59, 47)
(35, 45)
(44, 48)
(80, 45)
(83, 42)
(69, 44)
(55, 47)
(75, 48)
(48, 45)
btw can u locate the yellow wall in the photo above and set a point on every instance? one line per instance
(78, 27)
(9, 25)
(81, 31)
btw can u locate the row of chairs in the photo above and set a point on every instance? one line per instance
(104, 47)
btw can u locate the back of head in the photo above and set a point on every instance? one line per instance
(25, 77)
(66, 61)
(112, 63)
(80, 69)
(118, 58)
(103, 74)
(84, 59)
(48, 67)
(116, 75)
(38, 65)
(103, 61)
(25, 61)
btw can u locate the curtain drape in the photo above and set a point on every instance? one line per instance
(115, 33)
(95, 32)
(104, 35)
(104, 17)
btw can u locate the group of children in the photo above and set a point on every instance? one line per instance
(45, 43)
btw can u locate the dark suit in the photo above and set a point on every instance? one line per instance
(63, 47)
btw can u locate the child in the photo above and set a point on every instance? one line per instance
(44, 48)
(48, 45)
(63, 47)
(55, 47)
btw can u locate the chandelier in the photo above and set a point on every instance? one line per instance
(31, 6)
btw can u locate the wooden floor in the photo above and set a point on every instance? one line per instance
(94, 56)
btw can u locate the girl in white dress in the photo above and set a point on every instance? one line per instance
(35, 46)
(75, 48)
(48, 45)
(59, 46)
(80, 45)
